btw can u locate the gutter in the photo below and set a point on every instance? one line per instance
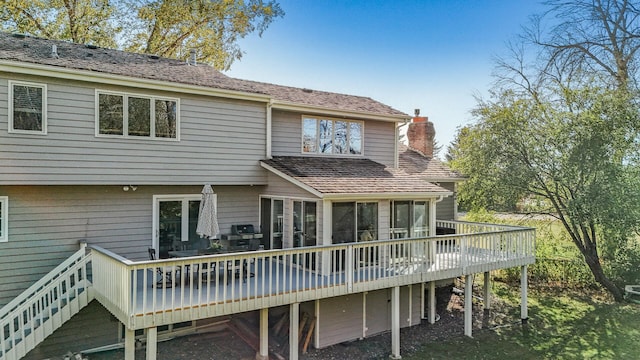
(321, 110)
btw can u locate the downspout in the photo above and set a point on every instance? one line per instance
(269, 131)
(432, 225)
(396, 161)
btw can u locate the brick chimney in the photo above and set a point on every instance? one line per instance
(421, 134)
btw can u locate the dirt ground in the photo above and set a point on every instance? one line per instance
(227, 345)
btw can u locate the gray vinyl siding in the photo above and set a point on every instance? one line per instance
(221, 141)
(379, 137)
(47, 222)
(340, 319)
(92, 327)
(410, 305)
(281, 187)
(445, 209)
(378, 318)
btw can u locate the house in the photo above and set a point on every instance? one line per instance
(104, 155)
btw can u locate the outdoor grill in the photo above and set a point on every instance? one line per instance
(241, 236)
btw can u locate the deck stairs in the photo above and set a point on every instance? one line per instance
(45, 306)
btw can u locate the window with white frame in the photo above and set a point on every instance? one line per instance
(139, 116)
(27, 107)
(330, 136)
(4, 219)
(409, 219)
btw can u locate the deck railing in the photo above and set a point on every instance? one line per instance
(45, 306)
(151, 293)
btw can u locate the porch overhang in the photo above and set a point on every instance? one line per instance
(351, 179)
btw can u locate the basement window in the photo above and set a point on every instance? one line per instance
(4, 219)
(27, 108)
(136, 116)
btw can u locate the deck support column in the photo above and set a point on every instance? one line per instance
(487, 290)
(395, 323)
(294, 314)
(152, 343)
(432, 303)
(129, 344)
(468, 305)
(263, 354)
(524, 311)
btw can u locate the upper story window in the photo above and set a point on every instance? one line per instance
(137, 116)
(27, 108)
(4, 219)
(329, 136)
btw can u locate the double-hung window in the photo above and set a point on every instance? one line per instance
(27, 108)
(138, 116)
(329, 136)
(4, 218)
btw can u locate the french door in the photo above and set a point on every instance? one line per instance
(175, 218)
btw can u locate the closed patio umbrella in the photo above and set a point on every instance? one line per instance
(207, 218)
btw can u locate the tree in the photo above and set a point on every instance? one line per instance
(81, 21)
(565, 128)
(601, 37)
(170, 28)
(578, 149)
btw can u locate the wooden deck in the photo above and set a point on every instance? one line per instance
(215, 285)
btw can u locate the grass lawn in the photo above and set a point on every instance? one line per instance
(562, 325)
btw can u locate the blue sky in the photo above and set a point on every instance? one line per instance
(432, 55)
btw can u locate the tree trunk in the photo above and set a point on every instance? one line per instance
(593, 261)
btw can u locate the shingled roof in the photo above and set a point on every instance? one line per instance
(353, 176)
(34, 50)
(415, 163)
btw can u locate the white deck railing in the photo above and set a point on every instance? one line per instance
(45, 306)
(214, 285)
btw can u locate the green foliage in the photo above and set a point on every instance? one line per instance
(169, 28)
(84, 21)
(172, 28)
(565, 324)
(575, 148)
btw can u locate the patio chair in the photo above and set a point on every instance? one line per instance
(165, 273)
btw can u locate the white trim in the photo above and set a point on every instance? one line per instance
(333, 120)
(185, 198)
(321, 110)
(4, 218)
(269, 131)
(125, 115)
(292, 180)
(122, 80)
(11, 129)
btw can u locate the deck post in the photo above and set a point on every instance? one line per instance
(524, 312)
(152, 343)
(129, 344)
(294, 314)
(468, 305)
(432, 302)
(487, 290)
(395, 323)
(264, 335)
